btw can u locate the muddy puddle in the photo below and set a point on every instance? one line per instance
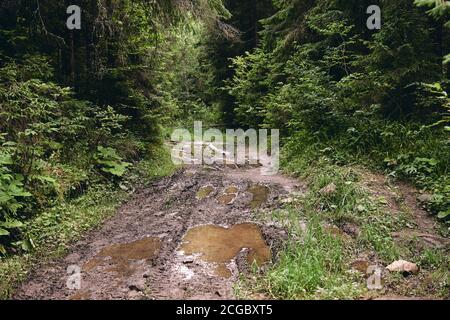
(187, 211)
(229, 195)
(119, 257)
(260, 195)
(204, 192)
(220, 245)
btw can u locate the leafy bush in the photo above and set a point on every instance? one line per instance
(11, 187)
(110, 162)
(46, 142)
(12, 192)
(353, 96)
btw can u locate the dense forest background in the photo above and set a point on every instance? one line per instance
(80, 110)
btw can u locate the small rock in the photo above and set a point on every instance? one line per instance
(328, 190)
(403, 266)
(425, 198)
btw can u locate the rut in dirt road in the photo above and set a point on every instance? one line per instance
(188, 236)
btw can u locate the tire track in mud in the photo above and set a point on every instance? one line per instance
(175, 239)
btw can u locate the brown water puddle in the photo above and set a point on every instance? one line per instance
(260, 194)
(228, 196)
(204, 192)
(220, 245)
(120, 256)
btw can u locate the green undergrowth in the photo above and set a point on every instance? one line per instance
(315, 262)
(408, 152)
(56, 228)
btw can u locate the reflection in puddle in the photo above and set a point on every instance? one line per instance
(228, 196)
(260, 194)
(204, 192)
(220, 245)
(226, 199)
(120, 256)
(231, 190)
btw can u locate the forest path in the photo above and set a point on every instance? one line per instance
(187, 236)
(191, 235)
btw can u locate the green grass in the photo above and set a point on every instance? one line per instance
(351, 203)
(312, 267)
(434, 258)
(315, 264)
(55, 229)
(158, 164)
(405, 151)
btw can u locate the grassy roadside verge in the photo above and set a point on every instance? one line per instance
(54, 230)
(338, 227)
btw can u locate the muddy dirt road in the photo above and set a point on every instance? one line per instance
(185, 237)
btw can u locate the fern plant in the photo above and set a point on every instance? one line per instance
(110, 162)
(11, 190)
